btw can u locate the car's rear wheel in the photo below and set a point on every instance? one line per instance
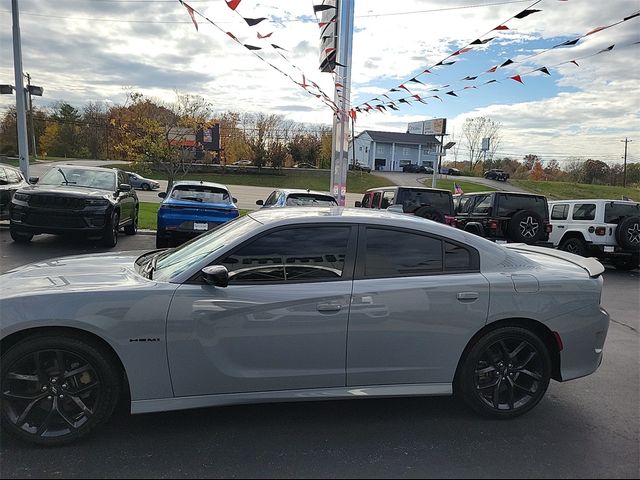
(574, 245)
(146, 187)
(626, 263)
(57, 389)
(628, 233)
(505, 374)
(110, 237)
(19, 236)
(132, 228)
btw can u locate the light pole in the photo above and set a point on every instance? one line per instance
(624, 175)
(21, 116)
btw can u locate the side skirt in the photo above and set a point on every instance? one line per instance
(337, 393)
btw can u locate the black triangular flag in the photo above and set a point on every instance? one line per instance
(608, 49)
(567, 43)
(508, 62)
(277, 47)
(402, 100)
(252, 22)
(526, 13)
(631, 16)
(416, 80)
(490, 81)
(544, 70)
(252, 47)
(482, 42)
(469, 78)
(452, 93)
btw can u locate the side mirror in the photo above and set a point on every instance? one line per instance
(260, 202)
(216, 275)
(33, 180)
(162, 194)
(358, 204)
(124, 187)
(235, 200)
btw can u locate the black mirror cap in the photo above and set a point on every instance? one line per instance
(216, 275)
(162, 194)
(235, 200)
(358, 204)
(124, 187)
(260, 202)
(34, 180)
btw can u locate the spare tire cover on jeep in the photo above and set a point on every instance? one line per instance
(526, 226)
(430, 214)
(628, 233)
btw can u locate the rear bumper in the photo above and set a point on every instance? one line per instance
(583, 335)
(603, 251)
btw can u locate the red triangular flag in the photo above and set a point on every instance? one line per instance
(436, 96)
(233, 36)
(599, 29)
(461, 51)
(191, 14)
(260, 36)
(501, 27)
(492, 69)
(402, 86)
(517, 79)
(233, 4)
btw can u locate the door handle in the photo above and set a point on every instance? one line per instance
(468, 296)
(329, 307)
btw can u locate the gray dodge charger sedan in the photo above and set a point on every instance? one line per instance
(294, 304)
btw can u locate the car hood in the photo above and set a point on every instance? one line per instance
(67, 190)
(76, 273)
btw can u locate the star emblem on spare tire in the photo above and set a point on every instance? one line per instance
(529, 228)
(634, 233)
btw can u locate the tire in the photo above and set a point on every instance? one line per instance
(50, 390)
(146, 187)
(526, 226)
(505, 373)
(20, 236)
(626, 264)
(161, 240)
(628, 233)
(110, 237)
(132, 228)
(574, 245)
(430, 214)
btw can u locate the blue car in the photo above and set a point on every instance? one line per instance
(191, 208)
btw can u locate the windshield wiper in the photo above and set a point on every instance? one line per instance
(66, 182)
(150, 267)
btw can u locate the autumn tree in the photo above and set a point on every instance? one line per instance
(8, 133)
(537, 172)
(595, 171)
(474, 131)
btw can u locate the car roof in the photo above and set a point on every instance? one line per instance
(199, 182)
(85, 167)
(289, 191)
(525, 194)
(390, 187)
(584, 200)
(11, 167)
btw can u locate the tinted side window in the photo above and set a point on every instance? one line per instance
(482, 205)
(464, 204)
(560, 212)
(614, 212)
(271, 200)
(584, 211)
(366, 200)
(295, 254)
(392, 253)
(457, 258)
(388, 199)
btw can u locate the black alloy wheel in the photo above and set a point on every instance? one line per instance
(430, 214)
(526, 226)
(110, 238)
(146, 187)
(20, 236)
(506, 373)
(574, 245)
(56, 389)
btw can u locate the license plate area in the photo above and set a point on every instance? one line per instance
(200, 226)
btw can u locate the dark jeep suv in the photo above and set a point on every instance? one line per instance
(431, 203)
(505, 216)
(90, 201)
(496, 174)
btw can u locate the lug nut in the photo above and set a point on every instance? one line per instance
(61, 396)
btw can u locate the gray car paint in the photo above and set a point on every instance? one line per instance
(103, 295)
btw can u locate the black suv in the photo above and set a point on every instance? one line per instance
(415, 168)
(69, 199)
(11, 180)
(431, 203)
(496, 174)
(505, 216)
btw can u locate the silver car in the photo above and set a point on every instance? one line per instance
(294, 304)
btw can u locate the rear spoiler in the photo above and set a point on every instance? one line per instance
(592, 266)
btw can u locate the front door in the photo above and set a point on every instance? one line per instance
(417, 301)
(281, 323)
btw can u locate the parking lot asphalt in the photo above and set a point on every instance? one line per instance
(584, 428)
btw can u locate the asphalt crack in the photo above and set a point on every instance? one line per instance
(624, 325)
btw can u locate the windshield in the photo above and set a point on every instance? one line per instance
(172, 263)
(78, 177)
(410, 198)
(310, 200)
(201, 194)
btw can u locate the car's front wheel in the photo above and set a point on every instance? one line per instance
(574, 245)
(110, 237)
(146, 187)
(19, 236)
(132, 228)
(505, 374)
(57, 388)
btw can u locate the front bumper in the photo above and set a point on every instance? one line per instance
(59, 221)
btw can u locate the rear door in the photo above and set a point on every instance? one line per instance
(417, 300)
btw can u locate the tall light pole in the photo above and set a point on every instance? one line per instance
(21, 117)
(33, 131)
(624, 175)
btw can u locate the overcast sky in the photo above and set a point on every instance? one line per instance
(93, 50)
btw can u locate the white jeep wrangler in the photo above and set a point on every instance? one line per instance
(601, 228)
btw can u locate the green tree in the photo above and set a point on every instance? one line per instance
(8, 133)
